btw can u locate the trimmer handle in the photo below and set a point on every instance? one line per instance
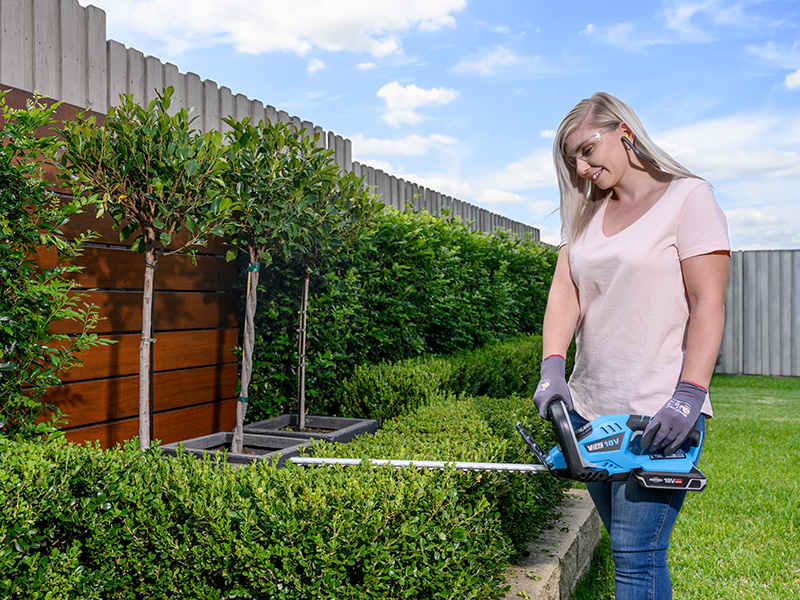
(559, 416)
(640, 423)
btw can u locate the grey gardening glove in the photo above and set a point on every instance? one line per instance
(671, 425)
(553, 383)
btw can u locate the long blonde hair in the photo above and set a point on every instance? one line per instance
(580, 198)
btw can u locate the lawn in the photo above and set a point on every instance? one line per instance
(739, 539)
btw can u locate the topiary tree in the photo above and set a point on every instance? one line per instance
(154, 175)
(341, 208)
(33, 298)
(277, 175)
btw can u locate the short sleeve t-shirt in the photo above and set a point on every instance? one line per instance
(634, 312)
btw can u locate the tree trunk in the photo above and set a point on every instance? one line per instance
(301, 371)
(247, 350)
(146, 342)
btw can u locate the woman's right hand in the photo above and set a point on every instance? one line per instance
(553, 383)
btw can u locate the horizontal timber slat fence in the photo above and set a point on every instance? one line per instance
(194, 368)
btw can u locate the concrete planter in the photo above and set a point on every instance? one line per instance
(332, 429)
(272, 448)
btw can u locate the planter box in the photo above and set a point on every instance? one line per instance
(332, 429)
(275, 449)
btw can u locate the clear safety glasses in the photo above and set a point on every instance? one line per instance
(583, 150)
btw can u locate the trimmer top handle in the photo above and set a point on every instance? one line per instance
(640, 423)
(559, 416)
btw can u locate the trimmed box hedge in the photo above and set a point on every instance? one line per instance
(81, 522)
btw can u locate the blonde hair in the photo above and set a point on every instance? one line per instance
(580, 198)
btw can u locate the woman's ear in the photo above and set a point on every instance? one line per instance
(626, 131)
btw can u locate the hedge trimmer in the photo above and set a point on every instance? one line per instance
(605, 449)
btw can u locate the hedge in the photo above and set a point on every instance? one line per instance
(80, 522)
(410, 285)
(501, 369)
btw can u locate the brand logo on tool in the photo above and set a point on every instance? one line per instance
(612, 443)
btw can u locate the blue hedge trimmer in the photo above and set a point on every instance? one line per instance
(605, 449)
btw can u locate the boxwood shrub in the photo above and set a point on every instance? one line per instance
(81, 522)
(498, 370)
(472, 429)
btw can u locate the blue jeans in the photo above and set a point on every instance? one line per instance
(639, 524)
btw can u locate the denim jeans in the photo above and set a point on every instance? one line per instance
(639, 524)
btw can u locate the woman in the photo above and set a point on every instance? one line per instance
(640, 282)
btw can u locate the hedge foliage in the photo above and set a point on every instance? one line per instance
(472, 429)
(498, 370)
(410, 284)
(85, 523)
(80, 522)
(33, 298)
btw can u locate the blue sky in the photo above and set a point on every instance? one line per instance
(463, 96)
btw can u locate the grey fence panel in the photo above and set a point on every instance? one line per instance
(210, 105)
(46, 50)
(97, 70)
(153, 78)
(178, 82)
(762, 314)
(225, 109)
(194, 95)
(136, 75)
(117, 72)
(258, 111)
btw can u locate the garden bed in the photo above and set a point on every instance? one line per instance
(272, 448)
(332, 429)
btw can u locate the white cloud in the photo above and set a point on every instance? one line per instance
(403, 101)
(315, 65)
(738, 147)
(366, 66)
(780, 57)
(372, 26)
(792, 80)
(501, 61)
(493, 196)
(624, 35)
(412, 145)
(382, 165)
(679, 16)
(533, 171)
(750, 217)
(548, 134)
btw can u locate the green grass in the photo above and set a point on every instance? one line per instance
(740, 538)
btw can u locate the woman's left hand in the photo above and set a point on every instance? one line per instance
(671, 425)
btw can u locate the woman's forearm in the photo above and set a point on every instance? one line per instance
(563, 310)
(703, 340)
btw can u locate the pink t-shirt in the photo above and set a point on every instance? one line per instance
(634, 310)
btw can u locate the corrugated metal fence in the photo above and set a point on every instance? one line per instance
(59, 48)
(762, 321)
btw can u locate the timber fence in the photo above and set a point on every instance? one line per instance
(59, 49)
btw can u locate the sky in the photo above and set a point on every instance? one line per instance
(464, 96)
